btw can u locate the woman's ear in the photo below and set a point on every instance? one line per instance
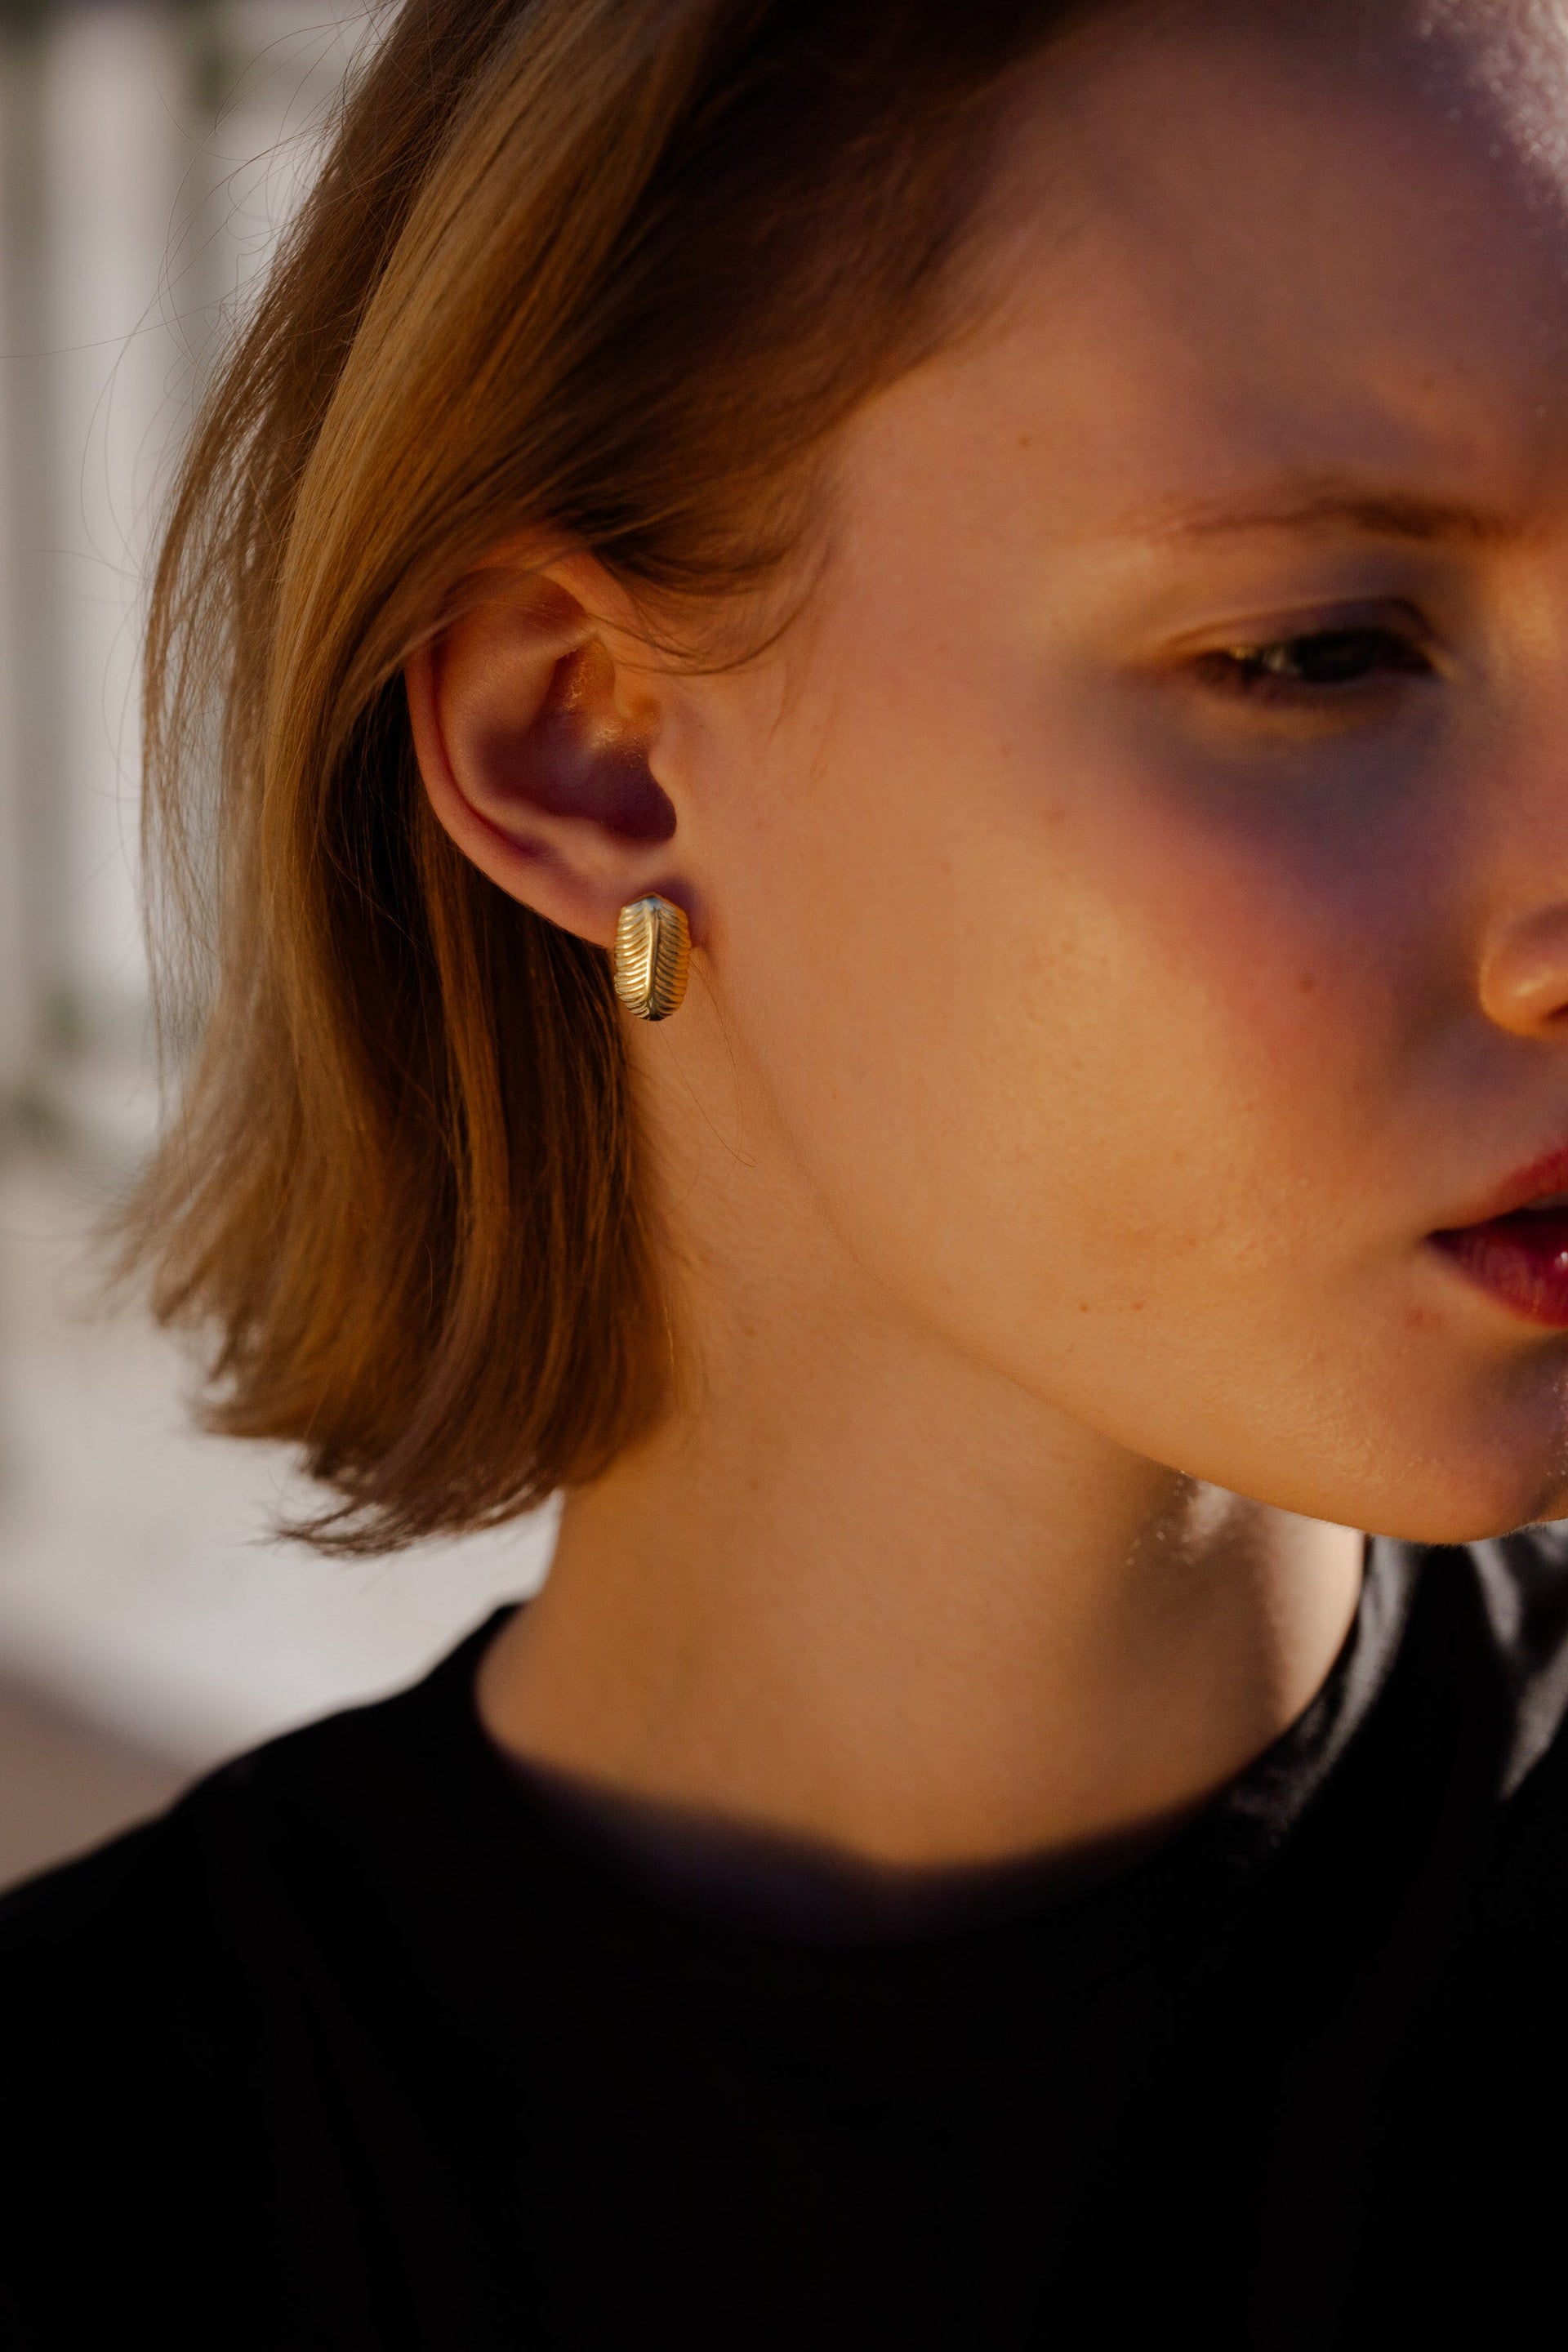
(533, 741)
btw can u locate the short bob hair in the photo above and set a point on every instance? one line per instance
(611, 270)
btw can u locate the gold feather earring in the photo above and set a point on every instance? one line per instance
(649, 961)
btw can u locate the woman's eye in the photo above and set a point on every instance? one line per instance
(1317, 663)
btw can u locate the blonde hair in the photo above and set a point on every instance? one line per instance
(611, 269)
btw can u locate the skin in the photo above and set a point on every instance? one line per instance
(1092, 1016)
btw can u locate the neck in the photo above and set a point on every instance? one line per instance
(863, 1589)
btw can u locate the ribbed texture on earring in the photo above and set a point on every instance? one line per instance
(652, 952)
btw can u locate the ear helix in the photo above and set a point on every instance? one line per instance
(649, 959)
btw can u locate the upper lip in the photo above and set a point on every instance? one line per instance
(1527, 1189)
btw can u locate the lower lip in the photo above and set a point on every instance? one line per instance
(1521, 1260)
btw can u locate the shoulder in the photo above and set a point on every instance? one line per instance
(131, 2068)
(306, 1815)
(271, 1867)
(104, 1903)
(208, 2023)
(177, 2010)
(136, 1928)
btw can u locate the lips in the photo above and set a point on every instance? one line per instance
(1518, 1249)
(1522, 1260)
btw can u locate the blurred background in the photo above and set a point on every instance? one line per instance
(151, 152)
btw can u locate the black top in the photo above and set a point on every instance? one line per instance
(374, 2041)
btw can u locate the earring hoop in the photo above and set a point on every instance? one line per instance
(649, 961)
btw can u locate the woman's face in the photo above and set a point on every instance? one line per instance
(1147, 904)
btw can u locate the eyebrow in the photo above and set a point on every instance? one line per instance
(1327, 506)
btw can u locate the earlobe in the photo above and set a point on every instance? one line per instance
(535, 753)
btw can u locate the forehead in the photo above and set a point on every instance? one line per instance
(1332, 238)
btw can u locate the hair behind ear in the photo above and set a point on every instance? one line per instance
(610, 270)
(421, 1241)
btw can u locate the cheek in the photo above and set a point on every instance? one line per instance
(1140, 1106)
(1048, 1052)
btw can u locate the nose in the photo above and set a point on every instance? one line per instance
(1524, 976)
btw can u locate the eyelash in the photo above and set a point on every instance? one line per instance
(1352, 658)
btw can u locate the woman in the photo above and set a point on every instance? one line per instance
(1016, 560)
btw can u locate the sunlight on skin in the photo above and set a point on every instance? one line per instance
(1132, 917)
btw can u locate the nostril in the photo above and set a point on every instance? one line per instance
(1523, 979)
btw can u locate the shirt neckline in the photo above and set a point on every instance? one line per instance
(708, 1875)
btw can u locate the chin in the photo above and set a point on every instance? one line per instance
(1473, 1510)
(1468, 1458)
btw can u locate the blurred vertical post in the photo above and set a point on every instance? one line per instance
(114, 139)
(22, 852)
(94, 127)
(150, 151)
